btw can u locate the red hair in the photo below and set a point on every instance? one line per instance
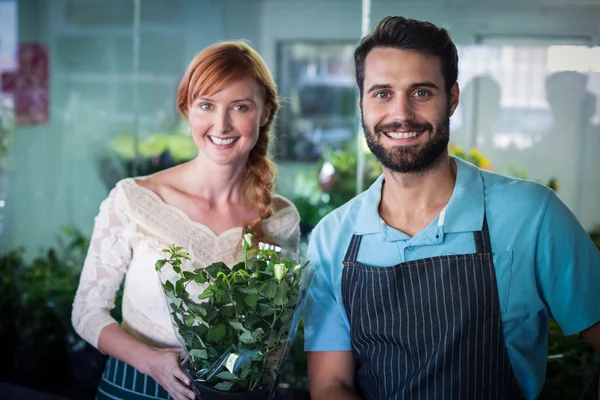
(210, 71)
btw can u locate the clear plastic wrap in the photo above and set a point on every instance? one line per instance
(237, 323)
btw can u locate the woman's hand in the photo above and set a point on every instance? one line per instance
(163, 366)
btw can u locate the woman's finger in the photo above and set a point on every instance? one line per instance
(179, 374)
(176, 393)
(181, 390)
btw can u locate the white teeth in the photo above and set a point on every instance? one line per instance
(222, 142)
(401, 135)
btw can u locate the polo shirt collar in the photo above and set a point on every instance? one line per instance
(464, 212)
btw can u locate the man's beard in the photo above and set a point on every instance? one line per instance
(409, 158)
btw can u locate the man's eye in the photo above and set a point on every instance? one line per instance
(382, 95)
(422, 93)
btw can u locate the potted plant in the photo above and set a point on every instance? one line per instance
(236, 324)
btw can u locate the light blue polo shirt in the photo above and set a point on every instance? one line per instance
(546, 265)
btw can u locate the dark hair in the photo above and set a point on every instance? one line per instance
(409, 34)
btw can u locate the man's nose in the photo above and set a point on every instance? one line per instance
(402, 109)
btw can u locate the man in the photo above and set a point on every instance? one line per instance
(439, 280)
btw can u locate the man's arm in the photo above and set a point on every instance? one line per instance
(331, 375)
(592, 336)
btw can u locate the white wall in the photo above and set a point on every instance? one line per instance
(56, 181)
(465, 19)
(468, 21)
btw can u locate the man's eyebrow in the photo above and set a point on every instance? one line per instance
(379, 87)
(426, 84)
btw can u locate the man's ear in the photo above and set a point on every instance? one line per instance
(454, 95)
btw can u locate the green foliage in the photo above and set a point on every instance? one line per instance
(324, 195)
(237, 337)
(46, 288)
(595, 235)
(569, 362)
(127, 157)
(10, 264)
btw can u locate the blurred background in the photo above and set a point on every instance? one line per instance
(87, 97)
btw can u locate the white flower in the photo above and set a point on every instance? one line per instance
(297, 267)
(280, 271)
(247, 241)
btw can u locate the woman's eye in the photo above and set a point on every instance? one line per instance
(241, 107)
(205, 106)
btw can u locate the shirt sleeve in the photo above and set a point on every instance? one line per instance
(106, 262)
(568, 269)
(326, 325)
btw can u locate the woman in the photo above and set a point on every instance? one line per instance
(229, 99)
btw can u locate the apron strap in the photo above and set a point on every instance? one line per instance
(482, 239)
(352, 251)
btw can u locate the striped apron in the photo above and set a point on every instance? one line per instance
(122, 381)
(428, 329)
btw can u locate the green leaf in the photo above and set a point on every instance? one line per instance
(217, 332)
(273, 339)
(199, 353)
(207, 293)
(265, 310)
(237, 267)
(245, 373)
(189, 275)
(228, 376)
(180, 286)
(287, 315)
(214, 269)
(271, 290)
(184, 255)
(212, 353)
(174, 300)
(176, 268)
(249, 290)
(227, 312)
(211, 312)
(169, 286)
(251, 319)
(247, 338)
(225, 386)
(280, 298)
(200, 277)
(258, 333)
(196, 309)
(237, 326)
(190, 320)
(159, 264)
(251, 300)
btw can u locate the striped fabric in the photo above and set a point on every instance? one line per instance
(122, 381)
(428, 329)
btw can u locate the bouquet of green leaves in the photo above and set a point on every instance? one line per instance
(236, 324)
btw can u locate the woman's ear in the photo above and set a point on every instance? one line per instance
(266, 115)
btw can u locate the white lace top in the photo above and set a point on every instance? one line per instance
(133, 226)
